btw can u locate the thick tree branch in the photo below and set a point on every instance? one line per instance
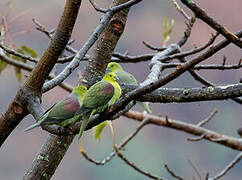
(16, 110)
(166, 95)
(61, 144)
(41, 167)
(162, 95)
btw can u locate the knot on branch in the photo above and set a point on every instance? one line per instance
(17, 108)
(117, 27)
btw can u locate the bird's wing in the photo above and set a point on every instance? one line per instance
(98, 95)
(127, 78)
(64, 109)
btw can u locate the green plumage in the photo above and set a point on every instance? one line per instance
(126, 78)
(100, 96)
(63, 113)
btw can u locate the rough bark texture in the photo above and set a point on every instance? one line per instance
(104, 47)
(96, 67)
(55, 147)
(16, 110)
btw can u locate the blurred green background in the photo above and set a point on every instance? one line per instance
(154, 145)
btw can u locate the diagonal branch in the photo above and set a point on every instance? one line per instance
(17, 110)
(62, 143)
(201, 14)
(231, 142)
(228, 167)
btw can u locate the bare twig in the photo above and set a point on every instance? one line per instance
(13, 52)
(134, 166)
(181, 10)
(208, 118)
(187, 32)
(201, 14)
(196, 50)
(199, 138)
(228, 141)
(120, 146)
(228, 167)
(172, 173)
(195, 169)
(29, 68)
(148, 45)
(98, 9)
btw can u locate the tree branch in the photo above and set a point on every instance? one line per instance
(62, 143)
(231, 142)
(201, 14)
(228, 167)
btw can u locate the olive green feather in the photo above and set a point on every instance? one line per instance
(126, 78)
(63, 113)
(99, 97)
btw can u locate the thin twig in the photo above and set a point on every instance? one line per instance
(172, 173)
(13, 52)
(228, 167)
(29, 68)
(195, 169)
(201, 14)
(228, 141)
(120, 146)
(98, 9)
(199, 138)
(181, 10)
(196, 50)
(208, 118)
(134, 166)
(150, 46)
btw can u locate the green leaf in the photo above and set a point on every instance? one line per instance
(3, 65)
(167, 29)
(29, 51)
(166, 23)
(97, 130)
(18, 74)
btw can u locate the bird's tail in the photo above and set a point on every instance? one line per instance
(85, 119)
(38, 123)
(33, 126)
(145, 106)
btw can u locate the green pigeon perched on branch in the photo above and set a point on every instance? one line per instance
(63, 113)
(126, 78)
(99, 96)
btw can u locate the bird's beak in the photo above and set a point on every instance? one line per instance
(116, 78)
(107, 70)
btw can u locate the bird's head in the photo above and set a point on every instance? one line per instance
(111, 77)
(80, 90)
(114, 67)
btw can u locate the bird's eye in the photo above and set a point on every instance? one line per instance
(112, 65)
(110, 75)
(84, 89)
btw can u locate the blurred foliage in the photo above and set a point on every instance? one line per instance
(7, 38)
(168, 27)
(25, 50)
(97, 130)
